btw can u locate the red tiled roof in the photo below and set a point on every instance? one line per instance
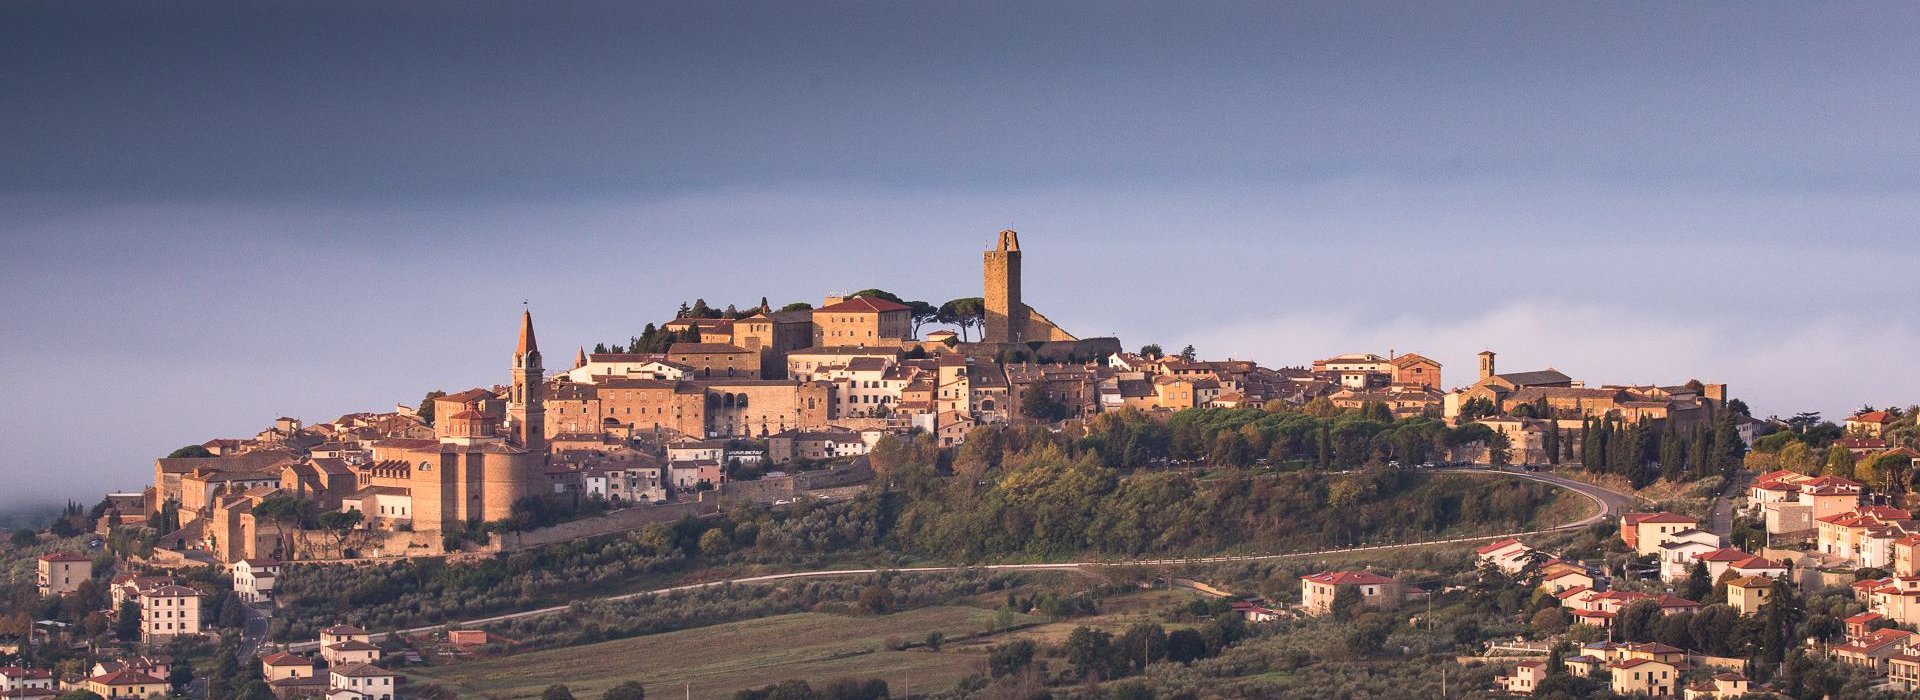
(64, 556)
(1497, 546)
(863, 305)
(1343, 578)
(124, 677)
(1727, 554)
(1630, 663)
(1872, 417)
(286, 658)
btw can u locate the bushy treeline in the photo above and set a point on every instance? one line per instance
(1318, 435)
(838, 689)
(426, 591)
(1042, 503)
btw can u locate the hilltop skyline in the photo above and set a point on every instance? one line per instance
(266, 221)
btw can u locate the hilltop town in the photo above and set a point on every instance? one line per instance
(1579, 539)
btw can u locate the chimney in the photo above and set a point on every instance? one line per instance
(1486, 364)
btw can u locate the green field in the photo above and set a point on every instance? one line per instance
(718, 660)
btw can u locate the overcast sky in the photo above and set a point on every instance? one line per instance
(212, 215)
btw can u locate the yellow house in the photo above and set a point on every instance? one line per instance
(1645, 532)
(1565, 579)
(1644, 676)
(1747, 593)
(1526, 677)
(1723, 686)
(284, 665)
(1317, 591)
(126, 684)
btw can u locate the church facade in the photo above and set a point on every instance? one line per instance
(483, 457)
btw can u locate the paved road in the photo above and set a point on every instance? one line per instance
(1720, 519)
(253, 635)
(1611, 503)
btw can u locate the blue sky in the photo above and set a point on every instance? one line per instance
(217, 214)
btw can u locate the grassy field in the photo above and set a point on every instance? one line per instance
(718, 660)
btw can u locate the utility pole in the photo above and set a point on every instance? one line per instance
(1443, 683)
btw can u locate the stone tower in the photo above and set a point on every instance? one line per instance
(526, 409)
(1486, 364)
(1006, 320)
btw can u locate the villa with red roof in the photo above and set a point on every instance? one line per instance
(1317, 591)
(1870, 652)
(1645, 677)
(1508, 555)
(1722, 686)
(1526, 676)
(1871, 424)
(1645, 532)
(1793, 505)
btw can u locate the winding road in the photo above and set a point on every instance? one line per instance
(1611, 503)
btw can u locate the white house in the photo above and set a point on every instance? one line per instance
(360, 681)
(253, 579)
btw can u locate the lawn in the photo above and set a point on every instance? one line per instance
(719, 660)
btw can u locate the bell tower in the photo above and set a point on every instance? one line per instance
(526, 408)
(1006, 320)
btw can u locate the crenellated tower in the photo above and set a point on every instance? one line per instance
(526, 408)
(1006, 320)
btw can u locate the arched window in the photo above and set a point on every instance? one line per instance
(743, 401)
(426, 466)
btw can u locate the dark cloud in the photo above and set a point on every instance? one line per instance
(215, 213)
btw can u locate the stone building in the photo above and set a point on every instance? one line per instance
(477, 467)
(715, 360)
(60, 573)
(862, 321)
(773, 334)
(1009, 320)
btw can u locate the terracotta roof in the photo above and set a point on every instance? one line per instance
(1497, 546)
(124, 677)
(1545, 376)
(468, 396)
(526, 335)
(863, 305)
(353, 645)
(170, 591)
(1630, 663)
(362, 671)
(1343, 578)
(1410, 358)
(64, 556)
(1653, 648)
(1872, 417)
(285, 658)
(343, 630)
(1727, 554)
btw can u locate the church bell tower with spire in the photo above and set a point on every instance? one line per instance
(526, 409)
